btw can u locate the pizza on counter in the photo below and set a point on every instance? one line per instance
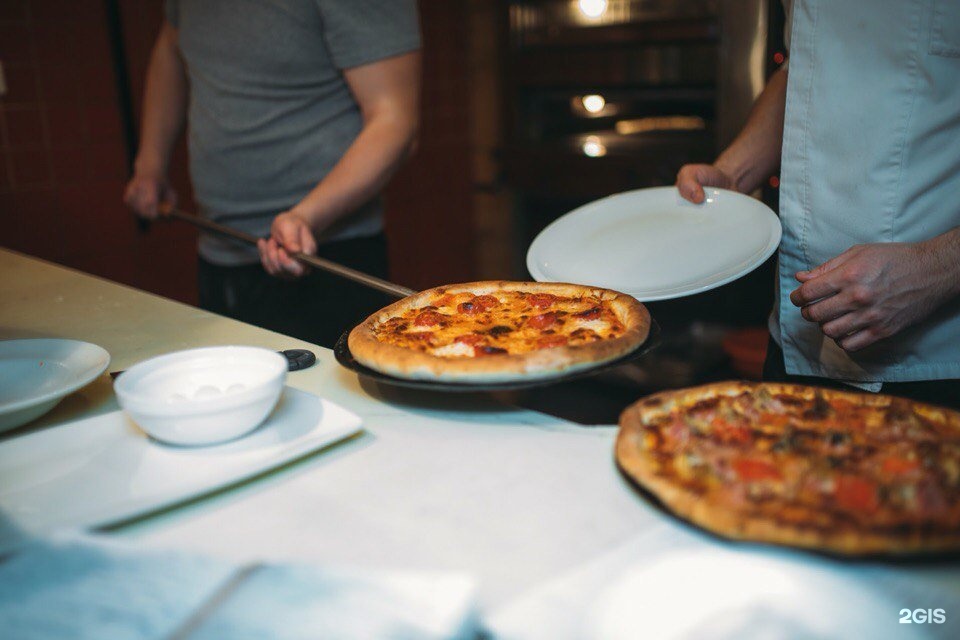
(499, 331)
(841, 472)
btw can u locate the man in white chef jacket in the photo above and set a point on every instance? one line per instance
(864, 122)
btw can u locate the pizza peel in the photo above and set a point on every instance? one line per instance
(342, 351)
(312, 261)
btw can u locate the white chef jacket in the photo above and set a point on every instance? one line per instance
(871, 153)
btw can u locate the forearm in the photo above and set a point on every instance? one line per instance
(164, 105)
(363, 171)
(388, 94)
(755, 153)
(943, 252)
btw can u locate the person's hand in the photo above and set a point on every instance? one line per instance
(872, 291)
(290, 233)
(692, 178)
(145, 193)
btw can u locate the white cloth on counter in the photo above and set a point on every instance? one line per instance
(673, 582)
(82, 587)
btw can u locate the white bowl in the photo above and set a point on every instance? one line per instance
(37, 374)
(203, 396)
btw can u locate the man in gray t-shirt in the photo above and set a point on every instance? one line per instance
(298, 112)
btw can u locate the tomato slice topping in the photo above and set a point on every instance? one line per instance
(730, 433)
(752, 470)
(428, 319)
(899, 466)
(856, 494)
(548, 342)
(542, 300)
(543, 321)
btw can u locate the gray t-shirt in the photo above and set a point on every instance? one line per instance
(270, 113)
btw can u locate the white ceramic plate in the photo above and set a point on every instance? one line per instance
(744, 595)
(654, 245)
(36, 374)
(104, 469)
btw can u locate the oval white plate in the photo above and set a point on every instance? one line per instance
(36, 374)
(654, 245)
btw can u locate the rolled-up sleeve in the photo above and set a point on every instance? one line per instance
(359, 32)
(171, 11)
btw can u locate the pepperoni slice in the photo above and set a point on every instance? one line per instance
(589, 314)
(549, 342)
(484, 350)
(543, 321)
(445, 300)
(752, 470)
(470, 339)
(486, 302)
(428, 319)
(856, 494)
(542, 300)
(469, 308)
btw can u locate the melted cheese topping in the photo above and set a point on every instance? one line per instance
(464, 325)
(453, 349)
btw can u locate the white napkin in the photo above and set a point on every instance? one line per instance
(675, 583)
(89, 588)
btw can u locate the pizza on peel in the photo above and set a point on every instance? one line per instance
(499, 331)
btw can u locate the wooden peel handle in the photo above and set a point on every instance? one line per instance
(320, 263)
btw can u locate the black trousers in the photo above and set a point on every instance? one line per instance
(316, 308)
(945, 393)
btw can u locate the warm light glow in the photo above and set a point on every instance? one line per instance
(660, 123)
(593, 148)
(593, 8)
(593, 103)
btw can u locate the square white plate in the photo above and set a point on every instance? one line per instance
(104, 469)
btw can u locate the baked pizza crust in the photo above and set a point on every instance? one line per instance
(728, 523)
(542, 363)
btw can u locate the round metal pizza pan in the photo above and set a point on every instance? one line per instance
(342, 353)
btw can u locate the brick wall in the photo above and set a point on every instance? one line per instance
(429, 203)
(62, 151)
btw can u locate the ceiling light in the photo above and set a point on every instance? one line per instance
(593, 103)
(592, 8)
